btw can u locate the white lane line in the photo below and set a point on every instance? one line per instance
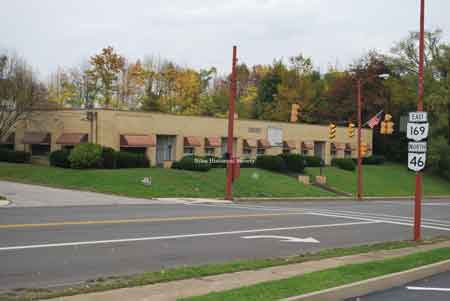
(387, 221)
(379, 215)
(435, 289)
(97, 242)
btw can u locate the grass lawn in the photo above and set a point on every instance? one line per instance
(166, 182)
(382, 180)
(317, 281)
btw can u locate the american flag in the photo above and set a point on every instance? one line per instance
(375, 120)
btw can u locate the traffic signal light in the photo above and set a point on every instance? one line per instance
(332, 128)
(351, 130)
(387, 126)
(294, 112)
(363, 149)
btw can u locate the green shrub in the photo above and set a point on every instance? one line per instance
(215, 162)
(273, 163)
(312, 161)
(374, 160)
(60, 158)
(86, 155)
(12, 156)
(248, 163)
(109, 158)
(444, 162)
(192, 163)
(294, 162)
(131, 160)
(344, 163)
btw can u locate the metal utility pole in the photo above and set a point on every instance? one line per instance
(360, 182)
(418, 197)
(230, 156)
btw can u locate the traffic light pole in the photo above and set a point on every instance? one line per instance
(360, 184)
(230, 157)
(418, 197)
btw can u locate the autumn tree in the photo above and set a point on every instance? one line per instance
(104, 73)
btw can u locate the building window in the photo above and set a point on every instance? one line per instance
(261, 151)
(286, 150)
(209, 151)
(68, 147)
(40, 149)
(304, 152)
(188, 151)
(348, 153)
(247, 152)
(333, 151)
(135, 150)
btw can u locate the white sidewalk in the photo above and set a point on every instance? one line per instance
(24, 195)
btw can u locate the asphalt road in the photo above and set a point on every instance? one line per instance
(436, 288)
(51, 246)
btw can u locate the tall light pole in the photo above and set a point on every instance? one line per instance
(418, 197)
(360, 182)
(230, 156)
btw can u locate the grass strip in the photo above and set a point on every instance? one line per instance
(180, 273)
(317, 281)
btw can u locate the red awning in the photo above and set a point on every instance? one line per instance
(338, 146)
(250, 143)
(308, 145)
(213, 142)
(350, 147)
(290, 144)
(9, 139)
(192, 141)
(72, 138)
(264, 143)
(36, 138)
(137, 140)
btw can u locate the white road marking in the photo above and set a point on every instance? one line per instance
(97, 242)
(284, 238)
(436, 289)
(382, 220)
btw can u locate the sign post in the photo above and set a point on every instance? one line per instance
(417, 130)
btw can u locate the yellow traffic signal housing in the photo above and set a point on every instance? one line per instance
(294, 112)
(351, 130)
(363, 149)
(389, 128)
(332, 128)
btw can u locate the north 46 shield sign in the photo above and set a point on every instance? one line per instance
(416, 161)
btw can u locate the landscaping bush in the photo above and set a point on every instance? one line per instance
(131, 160)
(218, 161)
(12, 156)
(345, 164)
(312, 161)
(294, 162)
(60, 158)
(86, 155)
(444, 162)
(273, 163)
(374, 160)
(109, 158)
(248, 163)
(192, 163)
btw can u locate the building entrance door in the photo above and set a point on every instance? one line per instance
(165, 148)
(319, 149)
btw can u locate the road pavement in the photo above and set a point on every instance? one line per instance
(435, 288)
(53, 246)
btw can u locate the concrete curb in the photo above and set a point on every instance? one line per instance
(336, 198)
(375, 284)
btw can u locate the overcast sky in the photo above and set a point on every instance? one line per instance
(200, 33)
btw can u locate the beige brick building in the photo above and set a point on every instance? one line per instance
(165, 137)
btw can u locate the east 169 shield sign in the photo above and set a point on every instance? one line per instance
(416, 161)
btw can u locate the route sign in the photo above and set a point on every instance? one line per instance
(418, 117)
(417, 147)
(416, 161)
(417, 131)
